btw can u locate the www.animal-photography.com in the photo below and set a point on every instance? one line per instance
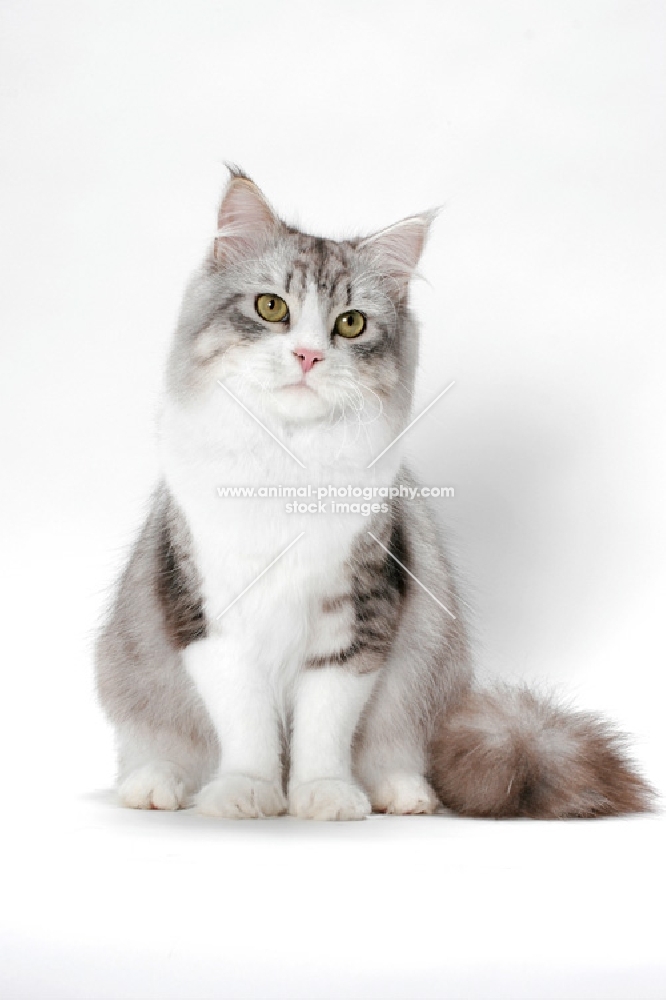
(334, 540)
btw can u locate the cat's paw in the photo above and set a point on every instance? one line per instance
(239, 796)
(404, 795)
(158, 785)
(328, 798)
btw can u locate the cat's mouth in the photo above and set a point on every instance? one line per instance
(298, 386)
(298, 400)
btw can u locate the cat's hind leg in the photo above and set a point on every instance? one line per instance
(393, 776)
(158, 785)
(159, 771)
(390, 759)
(403, 793)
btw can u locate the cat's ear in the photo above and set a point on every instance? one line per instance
(245, 220)
(396, 251)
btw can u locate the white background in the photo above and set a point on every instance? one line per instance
(539, 127)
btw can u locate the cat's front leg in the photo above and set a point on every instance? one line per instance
(327, 708)
(237, 694)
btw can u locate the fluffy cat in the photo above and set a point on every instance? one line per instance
(258, 660)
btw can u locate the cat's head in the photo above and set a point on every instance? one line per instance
(299, 327)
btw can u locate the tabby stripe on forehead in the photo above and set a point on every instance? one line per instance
(336, 280)
(300, 267)
(319, 248)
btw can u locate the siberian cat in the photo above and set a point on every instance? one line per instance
(258, 659)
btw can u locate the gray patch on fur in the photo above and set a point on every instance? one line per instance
(378, 585)
(176, 579)
(141, 681)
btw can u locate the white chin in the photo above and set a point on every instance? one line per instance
(299, 404)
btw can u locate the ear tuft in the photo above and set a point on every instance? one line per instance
(397, 249)
(245, 220)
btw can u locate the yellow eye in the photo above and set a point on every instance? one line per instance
(271, 308)
(350, 324)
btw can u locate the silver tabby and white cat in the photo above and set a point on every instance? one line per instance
(259, 660)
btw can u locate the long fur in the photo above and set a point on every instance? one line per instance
(246, 633)
(508, 752)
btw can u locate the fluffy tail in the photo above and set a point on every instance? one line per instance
(508, 752)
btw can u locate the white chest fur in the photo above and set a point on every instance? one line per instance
(215, 443)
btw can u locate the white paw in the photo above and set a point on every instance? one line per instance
(328, 798)
(158, 785)
(404, 795)
(239, 796)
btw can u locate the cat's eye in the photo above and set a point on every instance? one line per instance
(271, 308)
(350, 324)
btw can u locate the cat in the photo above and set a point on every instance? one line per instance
(261, 658)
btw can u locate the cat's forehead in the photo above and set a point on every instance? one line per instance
(313, 261)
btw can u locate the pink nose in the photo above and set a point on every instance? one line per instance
(308, 358)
